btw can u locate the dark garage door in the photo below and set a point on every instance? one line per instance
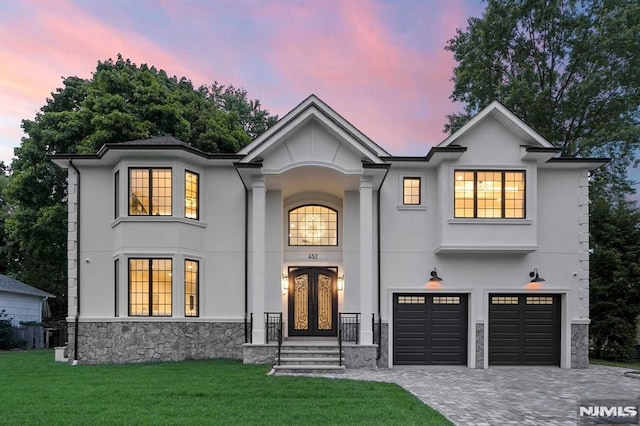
(430, 329)
(524, 329)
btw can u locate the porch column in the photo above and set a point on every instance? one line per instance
(258, 225)
(366, 259)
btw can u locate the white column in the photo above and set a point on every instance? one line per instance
(258, 225)
(366, 260)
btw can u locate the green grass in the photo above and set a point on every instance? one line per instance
(631, 365)
(36, 390)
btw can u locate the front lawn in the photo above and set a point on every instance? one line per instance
(36, 390)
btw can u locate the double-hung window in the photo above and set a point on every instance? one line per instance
(489, 194)
(411, 191)
(150, 191)
(150, 289)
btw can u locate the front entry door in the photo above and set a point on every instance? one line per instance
(313, 302)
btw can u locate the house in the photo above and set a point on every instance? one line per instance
(22, 303)
(475, 254)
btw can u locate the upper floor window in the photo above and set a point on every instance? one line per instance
(191, 195)
(313, 225)
(150, 192)
(116, 195)
(150, 287)
(411, 191)
(489, 194)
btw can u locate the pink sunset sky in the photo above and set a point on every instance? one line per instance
(380, 64)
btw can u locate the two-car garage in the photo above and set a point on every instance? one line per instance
(432, 329)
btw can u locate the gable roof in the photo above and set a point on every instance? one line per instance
(10, 285)
(313, 108)
(508, 119)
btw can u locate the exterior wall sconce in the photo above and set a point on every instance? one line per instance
(435, 281)
(285, 283)
(340, 282)
(536, 280)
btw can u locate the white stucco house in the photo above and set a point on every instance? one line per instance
(475, 254)
(21, 302)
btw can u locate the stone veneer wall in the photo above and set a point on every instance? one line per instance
(480, 345)
(383, 362)
(579, 346)
(359, 356)
(129, 341)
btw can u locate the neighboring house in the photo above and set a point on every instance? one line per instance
(177, 254)
(21, 302)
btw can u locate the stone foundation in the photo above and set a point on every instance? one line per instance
(129, 341)
(579, 346)
(359, 356)
(480, 345)
(383, 362)
(259, 354)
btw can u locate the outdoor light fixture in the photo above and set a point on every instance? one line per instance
(285, 283)
(535, 281)
(435, 281)
(340, 282)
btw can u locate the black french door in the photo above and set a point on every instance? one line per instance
(313, 302)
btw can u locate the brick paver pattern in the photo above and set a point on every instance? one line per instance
(507, 395)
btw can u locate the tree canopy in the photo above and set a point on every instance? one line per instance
(121, 102)
(569, 68)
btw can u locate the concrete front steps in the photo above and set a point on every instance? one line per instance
(309, 357)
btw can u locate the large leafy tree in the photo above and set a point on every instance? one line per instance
(571, 70)
(122, 101)
(615, 264)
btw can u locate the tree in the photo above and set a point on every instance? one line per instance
(121, 102)
(571, 70)
(614, 285)
(568, 68)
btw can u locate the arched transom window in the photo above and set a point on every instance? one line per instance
(313, 225)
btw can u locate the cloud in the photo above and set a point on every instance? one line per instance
(348, 54)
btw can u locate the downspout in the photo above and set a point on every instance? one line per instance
(246, 263)
(246, 257)
(75, 331)
(379, 349)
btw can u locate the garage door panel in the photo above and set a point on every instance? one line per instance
(431, 332)
(524, 330)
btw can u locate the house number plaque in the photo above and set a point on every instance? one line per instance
(313, 256)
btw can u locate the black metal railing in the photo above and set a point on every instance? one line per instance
(348, 329)
(273, 329)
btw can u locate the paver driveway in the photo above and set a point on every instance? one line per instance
(507, 395)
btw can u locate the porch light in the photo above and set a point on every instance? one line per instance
(340, 282)
(435, 281)
(535, 280)
(285, 283)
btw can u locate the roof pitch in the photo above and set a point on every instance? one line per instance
(14, 286)
(155, 141)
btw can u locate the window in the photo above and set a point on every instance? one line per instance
(313, 226)
(411, 191)
(150, 287)
(446, 300)
(149, 192)
(191, 287)
(489, 194)
(191, 195)
(116, 201)
(116, 284)
(411, 300)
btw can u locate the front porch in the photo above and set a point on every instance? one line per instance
(292, 354)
